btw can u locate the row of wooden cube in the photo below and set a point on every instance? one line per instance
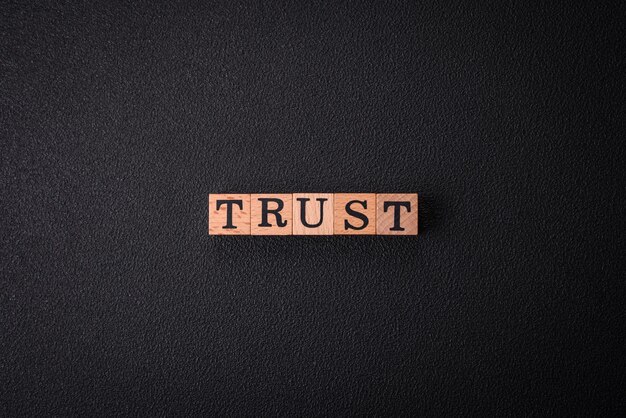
(313, 214)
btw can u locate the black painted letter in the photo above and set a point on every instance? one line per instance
(303, 201)
(229, 211)
(396, 213)
(276, 212)
(356, 214)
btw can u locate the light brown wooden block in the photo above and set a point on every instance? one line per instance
(229, 214)
(396, 214)
(355, 214)
(271, 214)
(318, 211)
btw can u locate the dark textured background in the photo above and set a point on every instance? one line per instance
(116, 121)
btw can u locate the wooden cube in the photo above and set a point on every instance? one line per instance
(229, 214)
(355, 214)
(313, 213)
(271, 214)
(396, 214)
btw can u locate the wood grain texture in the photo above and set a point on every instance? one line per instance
(316, 204)
(345, 222)
(256, 206)
(218, 217)
(396, 214)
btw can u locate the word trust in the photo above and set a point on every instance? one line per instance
(313, 214)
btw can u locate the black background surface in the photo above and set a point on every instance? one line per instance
(118, 120)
